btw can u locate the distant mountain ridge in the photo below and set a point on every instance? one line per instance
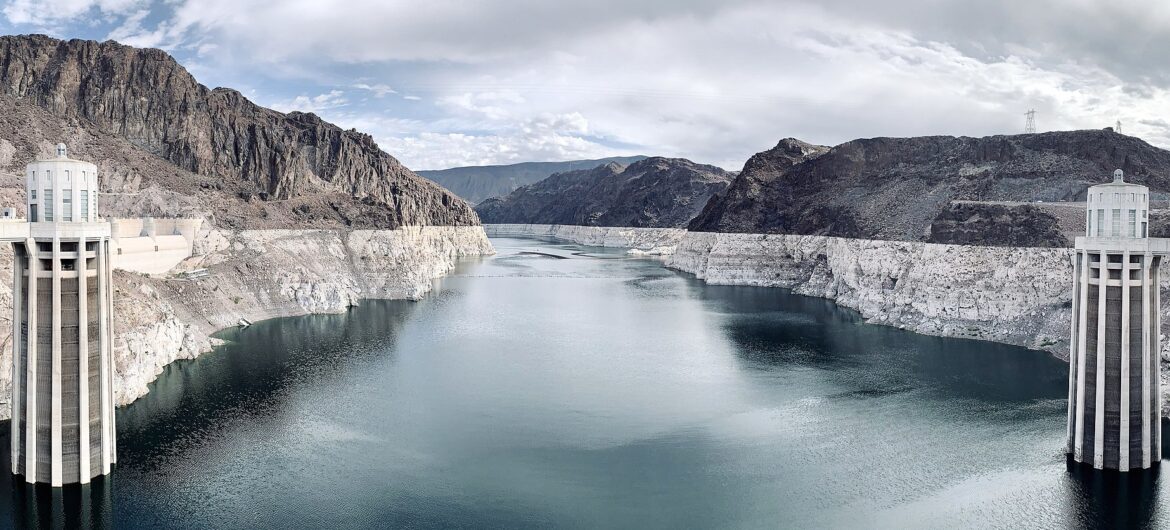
(655, 192)
(903, 188)
(247, 164)
(476, 183)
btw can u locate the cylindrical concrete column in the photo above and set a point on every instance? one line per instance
(62, 422)
(1113, 370)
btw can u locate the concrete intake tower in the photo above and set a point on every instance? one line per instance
(1114, 404)
(62, 385)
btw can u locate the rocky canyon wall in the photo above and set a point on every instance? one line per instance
(1014, 295)
(644, 239)
(256, 275)
(1018, 296)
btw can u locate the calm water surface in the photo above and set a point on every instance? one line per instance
(594, 390)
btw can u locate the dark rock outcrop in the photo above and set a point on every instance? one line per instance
(750, 187)
(146, 98)
(1008, 225)
(655, 192)
(476, 183)
(895, 188)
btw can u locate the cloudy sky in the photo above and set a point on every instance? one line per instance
(445, 83)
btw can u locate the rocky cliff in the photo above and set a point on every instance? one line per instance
(151, 127)
(476, 183)
(896, 188)
(166, 145)
(1024, 225)
(646, 240)
(254, 275)
(1018, 296)
(752, 188)
(655, 192)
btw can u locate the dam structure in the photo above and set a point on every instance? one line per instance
(62, 391)
(1114, 405)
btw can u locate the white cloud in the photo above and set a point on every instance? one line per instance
(132, 33)
(379, 90)
(492, 105)
(406, 30)
(42, 12)
(437, 150)
(720, 89)
(710, 80)
(544, 137)
(334, 99)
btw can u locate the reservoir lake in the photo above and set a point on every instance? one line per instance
(556, 385)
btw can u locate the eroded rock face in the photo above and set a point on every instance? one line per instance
(1018, 296)
(253, 154)
(996, 224)
(750, 189)
(256, 275)
(660, 241)
(652, 193)
(894, 188)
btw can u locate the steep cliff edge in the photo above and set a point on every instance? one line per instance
(653, 193)
(738, 208)
(150, 125)
(895, 188)
(255, 275)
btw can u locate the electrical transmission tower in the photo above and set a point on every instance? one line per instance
(1117, 129)
(1030, 125)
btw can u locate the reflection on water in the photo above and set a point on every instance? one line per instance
(594, 391)
(193, 405)
(88, 506)
(798, 330)
(192, 402)
(1111, 499)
